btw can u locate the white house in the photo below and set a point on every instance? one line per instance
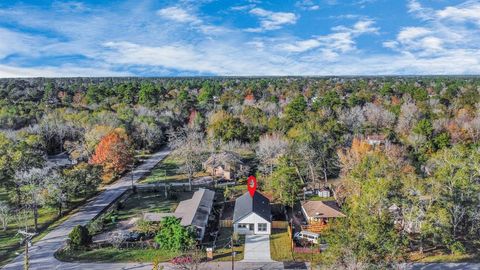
(252, 215)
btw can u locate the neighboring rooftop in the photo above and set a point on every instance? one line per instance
(322, 209)
(193, 211)
(223, 159)
(196, 210)
(59, 160)
(245, 204)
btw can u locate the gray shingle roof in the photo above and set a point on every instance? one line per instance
(245, 204)
(195, 211)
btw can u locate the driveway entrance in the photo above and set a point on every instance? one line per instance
(257, 248)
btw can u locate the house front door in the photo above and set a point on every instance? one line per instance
(251, 227)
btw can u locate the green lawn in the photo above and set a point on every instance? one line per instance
(111, 254)
(441, 255)
(48, 220)
(281, 249)
(141, 202)
(223, 252)
(167, 171)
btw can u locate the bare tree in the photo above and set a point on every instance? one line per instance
(378, 117)
(352, 118)
(57, 189)
(409, 116)
(32, 183)
(5, 214)
(188, 145)
(270, 148)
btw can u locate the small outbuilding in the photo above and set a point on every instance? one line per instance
(252, 215)
(376, 139)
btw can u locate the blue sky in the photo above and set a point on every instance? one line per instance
(250, 37)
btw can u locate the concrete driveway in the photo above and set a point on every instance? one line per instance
(257, 248)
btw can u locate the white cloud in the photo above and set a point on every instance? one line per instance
(446, 30)
(178, 14)
(470, 12)
(70, 6)
(341, 40)
(301, 46)
(61, 71)
(365, 26)
(408, 34)
(184, 42)
(13, 42)
(307, 5)
(270, 20)
(242, 7)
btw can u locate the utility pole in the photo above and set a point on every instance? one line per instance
(27, 238)
(131, 171)
(165, 183)
(233, 253)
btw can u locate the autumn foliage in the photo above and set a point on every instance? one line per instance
(113, 153)
(349, 158)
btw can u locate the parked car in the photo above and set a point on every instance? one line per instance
(308, 236)
(133, 236)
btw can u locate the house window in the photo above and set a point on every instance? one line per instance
(242, 226)
(262, 227)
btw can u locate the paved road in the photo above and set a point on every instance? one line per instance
(257, 248)
(41, 253)
(445, 266)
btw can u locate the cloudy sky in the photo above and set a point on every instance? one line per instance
(249, 37)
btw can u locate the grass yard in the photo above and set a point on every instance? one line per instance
(141, 202)
(167, 171)
(223, 252)
(111, 254)
(281, 249)
(48, 220)
(441, 256)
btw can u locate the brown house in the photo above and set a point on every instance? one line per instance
(227, 165)
(316, 212)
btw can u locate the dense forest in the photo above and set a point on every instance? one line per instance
(417, 190)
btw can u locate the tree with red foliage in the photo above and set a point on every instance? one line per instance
(113, 153)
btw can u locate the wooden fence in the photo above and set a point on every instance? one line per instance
(226, 223)
(279, 224)
(306, 250)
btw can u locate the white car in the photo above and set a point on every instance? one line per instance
(306, 235)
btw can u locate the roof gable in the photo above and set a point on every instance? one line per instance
(245, 204)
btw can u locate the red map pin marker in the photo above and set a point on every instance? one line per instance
(252, 185)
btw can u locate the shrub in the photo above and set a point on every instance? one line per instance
(95, 226)
(173, 236)
(457, 248)
(79, 237)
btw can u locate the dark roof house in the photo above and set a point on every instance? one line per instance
(245, 205)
